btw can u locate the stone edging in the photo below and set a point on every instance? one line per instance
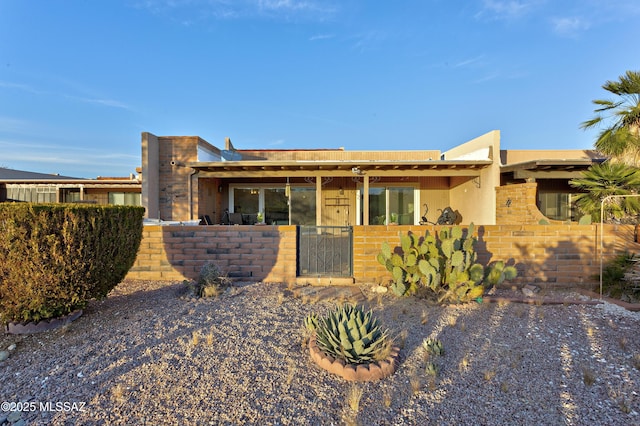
(356, 373)
(537, 300)
(633, 307)
(44, 325)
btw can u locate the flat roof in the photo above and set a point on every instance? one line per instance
(340, 168)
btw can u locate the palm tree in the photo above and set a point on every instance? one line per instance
(608, 178)
(620, 138)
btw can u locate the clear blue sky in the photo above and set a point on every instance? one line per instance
(80, 80)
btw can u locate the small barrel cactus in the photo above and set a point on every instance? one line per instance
(352, 335)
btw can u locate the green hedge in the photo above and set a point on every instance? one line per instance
(55, 257)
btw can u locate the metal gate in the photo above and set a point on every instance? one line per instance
(325, 251)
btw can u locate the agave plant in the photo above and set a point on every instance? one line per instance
(433, 346)
(350, 334)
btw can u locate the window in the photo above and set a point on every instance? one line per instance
(125, 198)
(303, 206)
(278, 209)
(392, 205)
(70, 195)
(556, 206)
(28, 193)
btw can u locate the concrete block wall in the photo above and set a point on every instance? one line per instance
(261, 253)
(559, 255)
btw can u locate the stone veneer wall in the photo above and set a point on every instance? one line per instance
(555, 254)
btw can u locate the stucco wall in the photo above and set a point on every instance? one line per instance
(475, 198)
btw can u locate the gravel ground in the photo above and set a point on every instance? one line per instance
(150, 355)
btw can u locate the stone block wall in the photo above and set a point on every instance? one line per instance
(516, 205)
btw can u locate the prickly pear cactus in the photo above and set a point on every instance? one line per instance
(499, 272)
(445, 264)
(350, 334)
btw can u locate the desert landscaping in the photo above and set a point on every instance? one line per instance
(152, 354)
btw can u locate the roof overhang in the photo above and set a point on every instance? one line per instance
(75, 183)
(230, 169)
(549, 169)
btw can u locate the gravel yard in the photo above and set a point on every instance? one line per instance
(150, 355)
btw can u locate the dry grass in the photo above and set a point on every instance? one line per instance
(385, 352)
(118, 393)
(195, 338)
(635, 361)
(387, 398)
(291, 370)
(623, 342)
(416, 383)
(401, 339)
(489, 375)
(424, 317)
(588, 376)
(463, 365)
(354, 396)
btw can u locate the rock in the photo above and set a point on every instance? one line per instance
(379, 289)
(14, 416)
(530, 290)
(4, 355)
(11, 347)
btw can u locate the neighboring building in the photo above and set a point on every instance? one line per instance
(551, 170)
(186, 178)
(17, 185)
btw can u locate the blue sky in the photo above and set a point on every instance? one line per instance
(80, 80)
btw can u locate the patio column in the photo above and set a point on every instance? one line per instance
(318, 201)
(365, 200)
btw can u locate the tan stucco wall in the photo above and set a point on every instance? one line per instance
(150, 175)
(475, 199)
(513, 156)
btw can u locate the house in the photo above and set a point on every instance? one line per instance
(18, 185)
(551, 171)
(186, 178)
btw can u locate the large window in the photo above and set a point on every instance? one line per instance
(125, 198)
(303, 206)
(32, 194)
(392, 205)
(556, 205)
(274, 204)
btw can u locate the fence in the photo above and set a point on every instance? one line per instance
(554, 254)
(325, 251)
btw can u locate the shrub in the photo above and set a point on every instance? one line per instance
(55, 257)
(613, 275)
(443, 265)
(211, 282)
